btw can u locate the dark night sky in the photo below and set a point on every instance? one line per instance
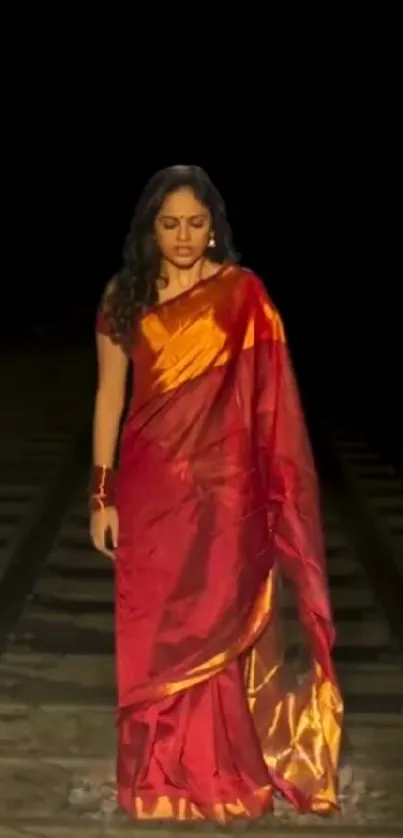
(315, 219)
(311, 195)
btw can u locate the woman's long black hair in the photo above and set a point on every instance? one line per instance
(135, 286)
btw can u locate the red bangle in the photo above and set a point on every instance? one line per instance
(102, 488)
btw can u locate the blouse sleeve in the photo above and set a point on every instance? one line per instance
(102, 323)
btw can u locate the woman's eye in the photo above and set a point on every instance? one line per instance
(198, 221)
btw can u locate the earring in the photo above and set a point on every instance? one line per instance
(211, 241)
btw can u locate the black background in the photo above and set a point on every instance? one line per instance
(310, 181)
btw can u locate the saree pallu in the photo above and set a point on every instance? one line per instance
(220, 569)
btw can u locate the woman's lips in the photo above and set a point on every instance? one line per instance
(182, 250)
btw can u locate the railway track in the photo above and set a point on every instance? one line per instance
(56, 669)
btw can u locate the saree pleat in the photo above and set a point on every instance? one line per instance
(218, 517)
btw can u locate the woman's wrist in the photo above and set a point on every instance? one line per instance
(102, 493)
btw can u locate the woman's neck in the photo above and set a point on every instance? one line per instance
(183, 278)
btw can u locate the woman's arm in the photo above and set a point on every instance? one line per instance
(109, 401)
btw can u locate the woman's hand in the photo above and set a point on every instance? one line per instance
(104, 529)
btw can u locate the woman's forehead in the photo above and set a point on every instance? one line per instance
(182, 202)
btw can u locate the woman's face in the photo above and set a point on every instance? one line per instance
(182, 228)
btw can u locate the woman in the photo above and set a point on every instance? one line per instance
(213, 511)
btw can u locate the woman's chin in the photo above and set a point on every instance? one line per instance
(185, 260)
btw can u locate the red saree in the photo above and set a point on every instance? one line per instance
(218, 508)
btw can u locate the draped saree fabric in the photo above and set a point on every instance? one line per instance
(220, 569)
